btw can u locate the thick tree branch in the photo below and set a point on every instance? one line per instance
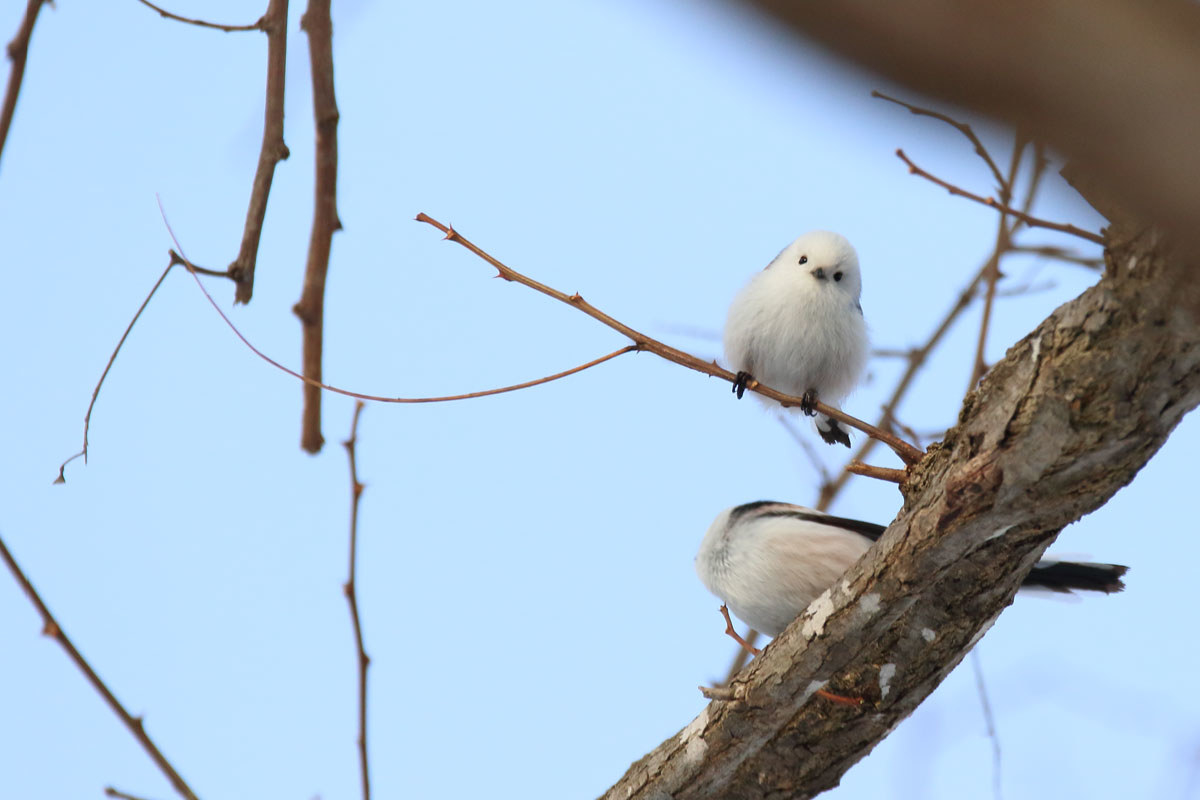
(1066, 419)
(274, 23)
(311, 308)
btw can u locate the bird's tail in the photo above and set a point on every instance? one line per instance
(1069, 576)
(830, 430)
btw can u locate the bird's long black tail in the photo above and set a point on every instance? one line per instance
(1069, 576)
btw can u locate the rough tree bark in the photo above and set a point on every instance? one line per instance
(1065, 420)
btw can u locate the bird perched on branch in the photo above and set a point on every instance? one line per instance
(767, 561)
(797, 326)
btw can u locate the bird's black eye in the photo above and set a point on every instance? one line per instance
(837, 276)
(803, 259)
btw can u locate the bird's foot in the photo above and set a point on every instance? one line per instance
(808, 402)
(743, 381)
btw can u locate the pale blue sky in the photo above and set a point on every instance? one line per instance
(526, 560)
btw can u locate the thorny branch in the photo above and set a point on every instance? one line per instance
(162, 12)
(51, 628)
(907, 452)
(311, 307)
(274, 24)
(351, 591)
(18, 53)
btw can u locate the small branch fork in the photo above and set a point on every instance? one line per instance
(991, 202)
(18, 54)
(351, 592)
(273, 23)
(51, 628)
(907, 452)
(961, 127)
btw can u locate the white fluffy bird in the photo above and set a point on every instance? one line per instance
(797, 326)
(767, 561)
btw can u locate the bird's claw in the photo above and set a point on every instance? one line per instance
(808, 403)
(742, 380)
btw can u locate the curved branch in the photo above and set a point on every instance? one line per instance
(162, 12)
(87, 418)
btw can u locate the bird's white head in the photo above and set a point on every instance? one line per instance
(826, 259)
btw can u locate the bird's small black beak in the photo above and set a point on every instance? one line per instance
(819, 273)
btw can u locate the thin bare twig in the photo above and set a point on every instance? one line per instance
(891, 352)
(379, 398)
(351, 591)
(87, 419)
(1031, 221)
(1060, 254)
(1040, 163)
(917, 359)
(907, 452)
(311, 307)
(51, 628)
(18, 54)
(1027, 288)
(989, 720)
(114, 792)
(992, 270)
(908, 431)
(274, 24)
(179, 258)
(879, 473)
(202, 24)
(962, 127)
(808, 448)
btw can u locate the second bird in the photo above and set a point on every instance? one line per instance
(797, 326)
